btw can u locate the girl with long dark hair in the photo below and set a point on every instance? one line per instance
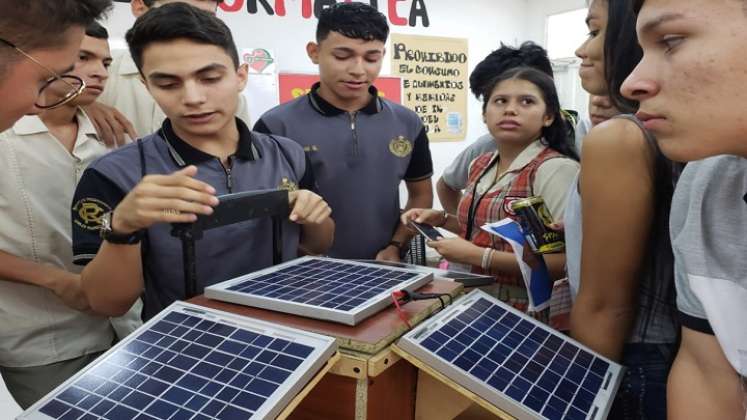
(620, 263)
(534, 157)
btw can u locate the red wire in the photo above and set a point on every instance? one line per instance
(395, 297)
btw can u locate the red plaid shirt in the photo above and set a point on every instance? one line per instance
(496, 204)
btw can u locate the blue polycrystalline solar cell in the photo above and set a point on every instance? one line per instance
(336, 290)
(192, 363)
(515, 362)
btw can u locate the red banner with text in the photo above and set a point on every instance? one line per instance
(292, 85)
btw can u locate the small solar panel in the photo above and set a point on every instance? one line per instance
(324, 288)
(193, 363)
(516, 363)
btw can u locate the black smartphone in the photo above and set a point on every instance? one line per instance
(426, 230)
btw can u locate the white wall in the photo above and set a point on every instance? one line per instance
(572, 96)
(485, 23)
(537, 12)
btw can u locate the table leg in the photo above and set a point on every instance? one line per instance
(361, 399)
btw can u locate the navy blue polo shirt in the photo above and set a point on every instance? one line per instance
(359, 161)
(260, 162)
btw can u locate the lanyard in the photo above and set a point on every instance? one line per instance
(475, 204)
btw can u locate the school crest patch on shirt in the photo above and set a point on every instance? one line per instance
(88, 213)
(288, 185)
(400, 146)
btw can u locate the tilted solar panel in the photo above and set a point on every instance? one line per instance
(194, 363)
(515, 362)
(323, 288)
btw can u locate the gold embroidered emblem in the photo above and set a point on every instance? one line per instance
(400, 146)
(312, 148)
(288, 185)
(88, 213)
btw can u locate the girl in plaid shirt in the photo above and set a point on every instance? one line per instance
(534, 158)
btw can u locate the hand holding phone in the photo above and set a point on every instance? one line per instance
(426, 230)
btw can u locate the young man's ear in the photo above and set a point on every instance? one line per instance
(312, 49)
(242, 73)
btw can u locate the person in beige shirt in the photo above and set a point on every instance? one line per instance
(126, 108)
(46, 330)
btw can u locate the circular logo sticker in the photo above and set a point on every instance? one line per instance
(88, 213)
(400, 147)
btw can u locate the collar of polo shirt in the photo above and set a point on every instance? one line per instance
(185, 154)
(328, 110)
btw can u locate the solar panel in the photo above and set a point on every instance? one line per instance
(323, 288)
(193, 363)
(515, 362)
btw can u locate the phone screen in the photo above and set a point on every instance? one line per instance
(426, 230)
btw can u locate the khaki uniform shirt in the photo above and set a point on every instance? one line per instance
(38, 181)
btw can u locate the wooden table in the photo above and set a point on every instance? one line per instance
(367, 382)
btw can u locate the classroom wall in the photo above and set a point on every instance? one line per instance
(570, 92)
(538, 11)
(485, 23)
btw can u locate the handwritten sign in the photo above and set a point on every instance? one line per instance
(434, 81)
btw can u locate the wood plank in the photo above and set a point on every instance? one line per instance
(426, 369)
(352, 366)
(370, 336)
(333, 398)
(389, 396)
(437, 401)
(307, 389)
(380, 362)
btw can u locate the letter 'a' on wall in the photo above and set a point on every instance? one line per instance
(434, 72)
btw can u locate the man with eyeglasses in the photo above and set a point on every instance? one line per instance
(38, 42)
(47, 330)
(127, 108)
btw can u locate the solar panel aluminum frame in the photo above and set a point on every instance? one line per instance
(324, 348)
(351, 317)
(410, 343)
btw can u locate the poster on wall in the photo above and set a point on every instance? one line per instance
(434, 72)
(293, 85)
(261, 90)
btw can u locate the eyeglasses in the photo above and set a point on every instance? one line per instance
(58, 90)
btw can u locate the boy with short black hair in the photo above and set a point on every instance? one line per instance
(362, 146)
(126, 108)
(690, 84)
(188, 60)
(46, 335)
